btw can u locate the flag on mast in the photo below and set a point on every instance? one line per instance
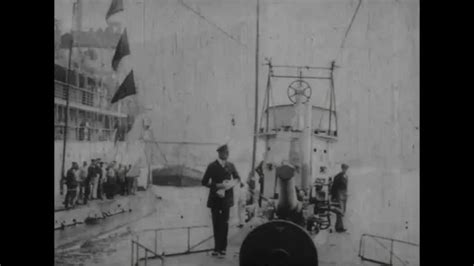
(115, 7)
(127, 86)
(122, 50)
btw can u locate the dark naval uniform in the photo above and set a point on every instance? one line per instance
(339, 195)
(216, 173)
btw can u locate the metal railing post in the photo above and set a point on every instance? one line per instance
(138, 258)
(146, 257)
(162, 256)
(392, 254)
(132, 254)
(391, 251)
(189, 236)
(156, 239)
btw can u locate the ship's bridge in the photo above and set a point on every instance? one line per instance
(278, 134)
(280, 119)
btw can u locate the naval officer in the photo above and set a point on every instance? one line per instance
(220, 177)
(339, 195)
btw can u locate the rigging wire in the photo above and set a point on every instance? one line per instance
(348, 29)
(263, 108)
(212, 23)
(159, 149)
(273, 103)
(322, 113)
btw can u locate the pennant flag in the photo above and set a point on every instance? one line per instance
(121, 50)
(115, 7)
(126, 88)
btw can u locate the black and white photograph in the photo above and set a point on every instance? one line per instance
(236, 132)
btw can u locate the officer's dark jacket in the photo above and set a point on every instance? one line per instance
(215, 173)
(91, 172)
(339, 184)
(71, 182)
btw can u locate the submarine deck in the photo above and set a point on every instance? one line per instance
(114, 248)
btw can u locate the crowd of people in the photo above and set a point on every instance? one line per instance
(97, 181)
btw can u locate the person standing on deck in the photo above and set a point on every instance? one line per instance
(339, 195)
(82, 180)
(111, 181)
(128, 180)
(121, 179)
(220, 176)
(88, 181)
(103, 183)
(95, 179)
(135, 176)
(71, 184)
(100, 178)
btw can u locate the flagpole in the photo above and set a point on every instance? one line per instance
(66, 124)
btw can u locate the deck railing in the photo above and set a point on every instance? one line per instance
(189, 249)
(392, 254)
(83, 134)
(87, 97)
(136, 247)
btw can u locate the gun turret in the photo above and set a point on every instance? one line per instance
(285, 241)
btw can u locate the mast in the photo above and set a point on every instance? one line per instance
(334, 96)
(256, 92)
(330, 100)
(66, 117)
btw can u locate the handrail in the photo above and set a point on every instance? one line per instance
(88, 97)
(171, 228)
(87, 133)
(93, 91)
(392, 254)
(395, 240)
(83, 127)
(147, 249)
(189, 250)
(138, 245)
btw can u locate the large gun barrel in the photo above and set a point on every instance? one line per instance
(287, 205)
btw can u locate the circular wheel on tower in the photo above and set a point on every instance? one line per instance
(299, 87)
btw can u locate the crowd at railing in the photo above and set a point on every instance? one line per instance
(98, 181)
